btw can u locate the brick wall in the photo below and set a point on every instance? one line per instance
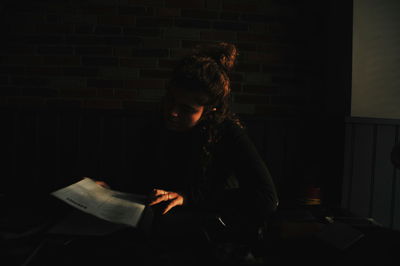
(118, 54)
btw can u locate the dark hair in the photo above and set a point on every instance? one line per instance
(207, 70)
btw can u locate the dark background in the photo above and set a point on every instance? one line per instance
(77, 76)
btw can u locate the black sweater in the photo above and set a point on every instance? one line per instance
(237, 181)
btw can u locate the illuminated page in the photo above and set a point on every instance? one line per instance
(107, 204)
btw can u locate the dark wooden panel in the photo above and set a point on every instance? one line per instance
(90, 131)
(25, 151)
(348, 166)
(383, 176)
(68, 147)
(275, 153)
(362, 170)
(7, 144)
(111, 145)
(396, 193)
(47, 150)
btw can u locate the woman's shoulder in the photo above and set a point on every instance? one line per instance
(232, 128)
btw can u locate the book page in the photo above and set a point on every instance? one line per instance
(113, 206)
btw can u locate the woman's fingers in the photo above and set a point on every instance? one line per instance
(102, 183)
(159, 199)
(177, 201)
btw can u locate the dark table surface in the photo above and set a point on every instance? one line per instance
(297, 234)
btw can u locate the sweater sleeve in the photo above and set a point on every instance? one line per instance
(257, 190)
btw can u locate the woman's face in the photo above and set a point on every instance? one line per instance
(182, 110)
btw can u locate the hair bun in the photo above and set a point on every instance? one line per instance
(223, 53)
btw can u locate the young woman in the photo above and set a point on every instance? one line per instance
(196, 159)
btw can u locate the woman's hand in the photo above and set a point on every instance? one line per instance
(159, 195)
(102, 183)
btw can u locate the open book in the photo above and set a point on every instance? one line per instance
(110, 205)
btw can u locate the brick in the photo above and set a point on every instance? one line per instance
(64, 103)
(39, 92)
(168, 12)
(12, 70)
(77, 19)
(80, 71)
(122, 51)
(185, 3)
(199, 14)
(43, 71)
(104, 83)
(52, 28)
(138, 62)
(152, 3)
(105, 92)
(247, 67)
(258, 79)
(160, 43)
(236, 77)
(181, 33)
(253, 37)
(10, 91)
(167, 63)
(84, 29)
(124, 40)
(25, 101)
(55, 50)
(107, 30)
(62, 60)
(102, 104)
(96, 9)
(236, 86)
(119, 72)
(251, 99)
(242, 108)
(30, 82)
(192, 23)
(241, 6)
(234, 26)
(271, 58)
(141, 106)
(150, 52)
(78, 40)
(151, 94)
(17, 50)
(28, 60)
(242, 47)
(78, 92)
(99, 61)
(144, 84)
(229, 16)
(154, 22)
(191, 44)
(179, 53)
(286, 100)
(117, 20)
(218, 36)
(3, 80)
(257, 89)
(135, 10)
(276, 111)
(93, 50)
(143, 32)
(38, 39)
(155, 73)
(127, 94)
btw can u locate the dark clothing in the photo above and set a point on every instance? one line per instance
(237, 182)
